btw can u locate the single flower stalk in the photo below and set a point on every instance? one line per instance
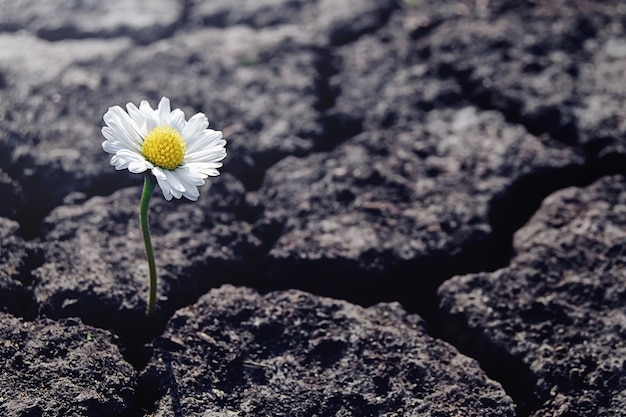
(175, 153)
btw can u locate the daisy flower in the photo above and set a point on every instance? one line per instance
(160, 143)
(180, 153)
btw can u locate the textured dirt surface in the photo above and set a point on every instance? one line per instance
(62, 368)
(14, 280)
(292, 353)
(559, 307)
(371, 224)
(379, 151)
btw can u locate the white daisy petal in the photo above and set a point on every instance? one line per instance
(206, 155)
(190, 176)
(190, 181)
(175, 193)
(158, 173)
(120, 127)
(145, 108)
(165, 189)
(138, 118)
(178, 119)
(119, 163)
(139, 166)
(195, 125)
(167, 195)
(125, 155)
(124, 159)
(111, 147)
(130, 128)
(201, 167)
(208, 138)
(164, 112)
(130, 156)
(112, 113)
(108, 134)
(121, 137)
(192, 194)
(149, 114)
(205, 169)
(162, 181)
(174, 181)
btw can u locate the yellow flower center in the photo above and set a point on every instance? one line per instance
(165, 147)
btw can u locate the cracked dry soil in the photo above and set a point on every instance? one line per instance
(422, 212)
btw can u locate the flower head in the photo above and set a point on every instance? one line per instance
(180, 153)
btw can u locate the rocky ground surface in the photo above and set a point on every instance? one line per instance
(422, 212)
(558, 308)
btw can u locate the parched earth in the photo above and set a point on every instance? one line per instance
(422, 211)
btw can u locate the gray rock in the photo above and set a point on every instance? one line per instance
(48, 148)
(388, 214)
(603, 95)
(554, 67)
(257, 14)
(381, 82)
(236, 352)
(558, 308)
(13, 201)
(143, 21)
(29, 62)
(14, 282)
(94, 264)
(327, 21)
(62, 368)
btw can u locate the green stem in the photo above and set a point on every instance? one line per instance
(148, 188)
